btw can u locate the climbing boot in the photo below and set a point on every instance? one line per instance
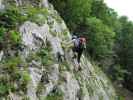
(79, 67)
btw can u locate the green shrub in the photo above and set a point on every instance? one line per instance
(39, 19)
(4, 86)
(4, 89)
(42, 55)
(2, 31)
(65, 32)
(40, 16)
(15, 37)
(37, 15)
(9, 39)
(10, 17)
(9, 20)
(33, 56)
(45, 56)
(11, 64)
(12, 76)
(25, 98)
(25, 77)
(56, 95)
(24, 80)
(121, 98)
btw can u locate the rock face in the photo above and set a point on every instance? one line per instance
(1, 5)
(45, 3)
(33, 36)
(59, 80)
(1, 55)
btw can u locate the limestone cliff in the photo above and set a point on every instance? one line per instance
(41, 40)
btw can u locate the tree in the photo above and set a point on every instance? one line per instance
(73, 12)
(124, 49)
(101, 11)
(101, 38)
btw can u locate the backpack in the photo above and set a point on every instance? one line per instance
(76, 42)
(80, 43)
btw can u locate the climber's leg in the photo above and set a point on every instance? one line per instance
(74, 52)
(79, 55)
(78, 58)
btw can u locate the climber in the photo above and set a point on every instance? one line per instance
(75, 41)
(79, 46)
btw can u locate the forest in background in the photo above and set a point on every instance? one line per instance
(109, 36)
